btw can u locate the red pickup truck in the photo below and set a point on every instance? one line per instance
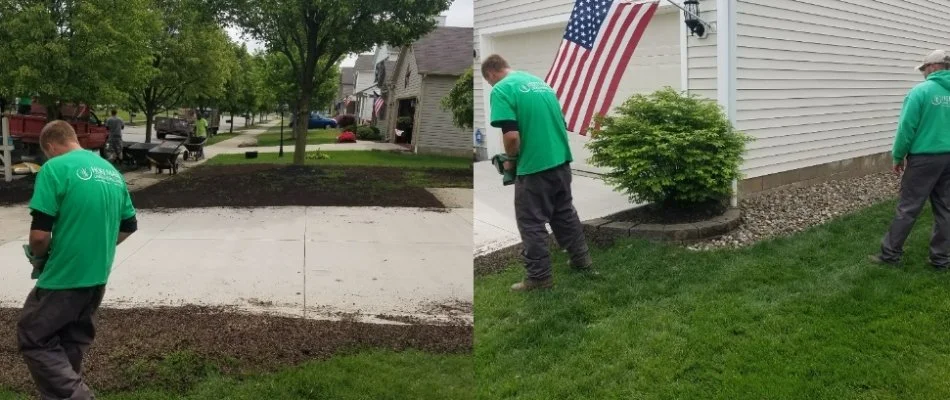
(25, 129)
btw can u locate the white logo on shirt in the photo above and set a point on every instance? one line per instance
(83, 174)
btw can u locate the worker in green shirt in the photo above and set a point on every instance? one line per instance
(24, 105)
(81, 211)
(921, 155)
(536, 144)
(201, 126)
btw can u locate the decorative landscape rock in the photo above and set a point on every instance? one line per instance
(248, 143)
(606, 230)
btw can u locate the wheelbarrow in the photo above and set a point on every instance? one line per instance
(166, 156)
(195, 148)
(137, 153)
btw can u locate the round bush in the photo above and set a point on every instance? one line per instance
(669, 148)
(367, 133)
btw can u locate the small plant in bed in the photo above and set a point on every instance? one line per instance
(676, 151)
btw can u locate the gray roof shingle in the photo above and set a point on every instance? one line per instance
(445, 51)
(365, 63)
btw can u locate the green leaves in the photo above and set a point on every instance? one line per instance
(669, 148)
(460, 101)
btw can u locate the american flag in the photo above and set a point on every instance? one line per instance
(600, 38)
(378, 105)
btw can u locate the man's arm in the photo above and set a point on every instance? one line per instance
(41, 233)
(127, 228)
(906, 127)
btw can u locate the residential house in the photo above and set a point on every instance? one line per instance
(347, 85)
(364, 78)
(424, 74)
(819, 84)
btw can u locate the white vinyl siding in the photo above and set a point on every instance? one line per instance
(822, 81)
(701, 56)
(437, 133)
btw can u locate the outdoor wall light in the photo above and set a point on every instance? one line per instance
(693, 22)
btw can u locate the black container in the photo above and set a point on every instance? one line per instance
(250, 154)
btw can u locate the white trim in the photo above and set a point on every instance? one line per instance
(7, 157)
(726, 67)
(684, 53)
(491, 142)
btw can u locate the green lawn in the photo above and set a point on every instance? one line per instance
(804, 317)
(367, 375)
(353, 158)
(314, 136)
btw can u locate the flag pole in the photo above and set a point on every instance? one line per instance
(709, 28)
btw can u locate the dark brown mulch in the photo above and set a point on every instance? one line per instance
(657, 214)
(261, 185)
(240, 343)
(18, 191)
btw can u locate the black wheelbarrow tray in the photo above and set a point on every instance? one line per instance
(138, 153)
(166, 156)
(195, 147)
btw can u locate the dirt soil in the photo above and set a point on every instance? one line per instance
(238, 343)
(262, 185)
(654, 214)
(18, 191)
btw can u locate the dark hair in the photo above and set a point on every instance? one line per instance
(114, 112)
(494, 63)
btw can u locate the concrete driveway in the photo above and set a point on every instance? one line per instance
(316, 262)
(495, 227)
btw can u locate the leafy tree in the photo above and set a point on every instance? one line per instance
(189, 58)
(74, 51)
(461, 100)
(315, 34)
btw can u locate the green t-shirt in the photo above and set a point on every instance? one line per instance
(531, 102)
(89, 199)
(201, 128)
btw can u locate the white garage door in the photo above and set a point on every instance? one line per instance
(655, 63)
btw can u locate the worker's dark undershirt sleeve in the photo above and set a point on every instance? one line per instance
(42, 221)
(129, 225)
(508, 126)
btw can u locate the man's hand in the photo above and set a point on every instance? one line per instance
(899, 168)
(509, 165)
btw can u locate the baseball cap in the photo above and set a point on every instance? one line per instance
(935, 57)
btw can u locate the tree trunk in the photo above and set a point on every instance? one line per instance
(232, 122)
(149, 119)
(300, 128)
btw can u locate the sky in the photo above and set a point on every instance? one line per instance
(460, 13)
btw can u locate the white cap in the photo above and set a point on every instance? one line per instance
(935, 57)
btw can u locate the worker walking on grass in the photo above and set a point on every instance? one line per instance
(536, 144)
(115, 125)
(81, 211)
(201, 126)
(922, 154)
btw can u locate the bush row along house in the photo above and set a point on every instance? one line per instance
(819, 84)
(412, 81)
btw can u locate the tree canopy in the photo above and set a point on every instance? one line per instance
(314, 35)
(461, 100)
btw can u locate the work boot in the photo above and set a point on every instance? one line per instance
(528, 285)
(877, 259)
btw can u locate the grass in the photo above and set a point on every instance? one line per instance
(314, 136)
(365, 375)
(804, 317)
(352, 158)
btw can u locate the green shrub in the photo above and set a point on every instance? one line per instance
(349, 128)
(366, 132)
(669, 148)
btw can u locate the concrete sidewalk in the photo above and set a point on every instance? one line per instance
(313, 262)
(495, 227)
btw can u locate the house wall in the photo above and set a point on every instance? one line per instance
(821, 82)
(435, 132)
(364, 105)
(403, 89)
(702, 57)
(528, 34)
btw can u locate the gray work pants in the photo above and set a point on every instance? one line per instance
(545, 197)
(926, 176)
(54, 331)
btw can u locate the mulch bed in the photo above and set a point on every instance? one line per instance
(655, 214)
(18, 191)
(262, 185)
(238, 343)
